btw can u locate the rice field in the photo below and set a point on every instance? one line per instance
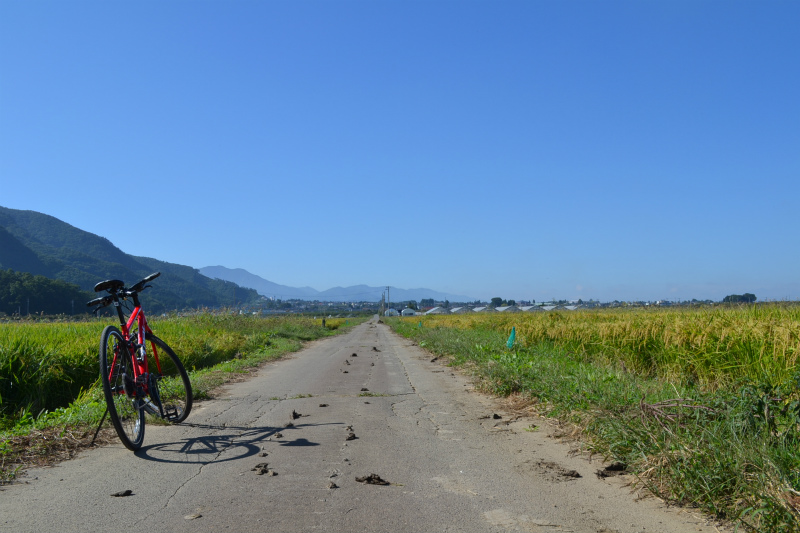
(708, 346)
(44, 366)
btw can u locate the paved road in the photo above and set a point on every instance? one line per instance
(418, 426)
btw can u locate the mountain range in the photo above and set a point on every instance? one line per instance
(43, 245)
(357, 293)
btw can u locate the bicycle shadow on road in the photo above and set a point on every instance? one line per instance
(242, 442)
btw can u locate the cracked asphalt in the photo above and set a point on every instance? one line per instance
(273, 454)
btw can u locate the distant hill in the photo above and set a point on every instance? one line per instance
(357, 293)
(244, 278)
(44, 245)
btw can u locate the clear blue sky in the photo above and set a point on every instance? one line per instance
(527, 150)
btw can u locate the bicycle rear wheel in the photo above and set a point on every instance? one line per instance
(116, 373)
(170, 385)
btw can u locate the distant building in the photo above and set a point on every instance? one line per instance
(408, 312)
(437, 311)
(392, 312)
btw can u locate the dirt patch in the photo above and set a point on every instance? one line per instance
(48, 447)
(551, 471)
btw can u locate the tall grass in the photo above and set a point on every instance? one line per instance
(44, 366)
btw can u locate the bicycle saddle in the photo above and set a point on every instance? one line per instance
(109, 285)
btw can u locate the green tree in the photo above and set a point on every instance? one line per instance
(25, 293)
(740, 298)
(497, 302)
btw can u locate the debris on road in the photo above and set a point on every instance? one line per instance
(295, 415)
(372, 479)
(351, 436)
(354, 355)
(375, 349)
(323, 405)
(364, 389)
(614, 469)
(123, 493)
(333, 485)
(261, 468)
(192, 516)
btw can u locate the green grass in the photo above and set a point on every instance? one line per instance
(49, 371)
(731, 451)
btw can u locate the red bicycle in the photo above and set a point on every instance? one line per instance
(136, 382)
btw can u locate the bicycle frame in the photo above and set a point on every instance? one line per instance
(139, 354)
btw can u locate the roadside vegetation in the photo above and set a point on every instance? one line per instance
(51, 399)
(701, 405)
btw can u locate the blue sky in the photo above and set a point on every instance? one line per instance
(527, 150)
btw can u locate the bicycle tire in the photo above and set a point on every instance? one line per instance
(172, 382)
(123, 407)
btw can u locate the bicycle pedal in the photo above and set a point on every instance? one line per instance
(171, 413)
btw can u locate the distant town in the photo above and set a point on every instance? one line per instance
(495, 305)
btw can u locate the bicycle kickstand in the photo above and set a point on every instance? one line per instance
(98, 427)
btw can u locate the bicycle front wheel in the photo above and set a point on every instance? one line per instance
(171, 382)
(116, 373)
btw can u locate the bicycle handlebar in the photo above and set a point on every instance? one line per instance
(116, 288)
(101, 302)
(140, 286)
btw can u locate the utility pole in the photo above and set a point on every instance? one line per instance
(388, 298)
